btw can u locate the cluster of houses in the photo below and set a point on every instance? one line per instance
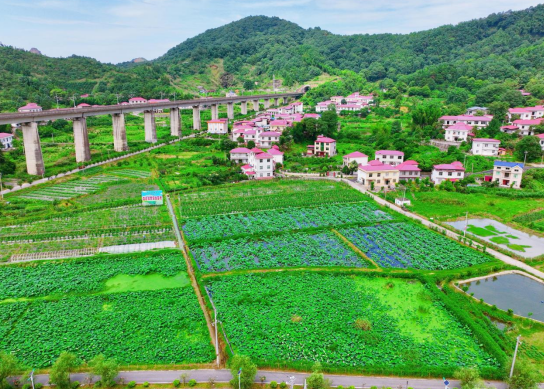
(258, 164)
(353, 102)
(521, 121)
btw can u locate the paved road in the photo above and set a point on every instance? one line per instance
(223, 375)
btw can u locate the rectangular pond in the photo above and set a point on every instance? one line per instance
(518, 242)
(511, 291)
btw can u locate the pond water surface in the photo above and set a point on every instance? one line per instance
(511, 291)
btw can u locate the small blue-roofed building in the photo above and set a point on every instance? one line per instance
(508, 174)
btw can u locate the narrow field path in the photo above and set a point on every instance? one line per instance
(192, 277)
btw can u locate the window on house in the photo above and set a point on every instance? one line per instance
(449, 174)
(439, 173)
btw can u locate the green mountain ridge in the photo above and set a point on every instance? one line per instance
(504, 46)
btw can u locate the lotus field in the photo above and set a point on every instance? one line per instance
(285, 250)
(373, 324)
(405, 245)
(288, 219)
(249, 197)
(139, 309)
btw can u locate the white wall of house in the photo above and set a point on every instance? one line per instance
(485, 148)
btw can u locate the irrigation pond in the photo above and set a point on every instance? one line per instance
(514, 291)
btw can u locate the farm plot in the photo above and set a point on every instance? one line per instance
(82, 274)
(139, 309)
(286, 250)
(70, 189)
(132, 173)
(224, 226)
(404, 245)
(373, 324)
(249, 197)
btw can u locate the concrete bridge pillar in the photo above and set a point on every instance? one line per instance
(33, 149)
(215, 112)
(230, 110)
(81, 140)
(266, 103)
(175, 122)
(243, 107)
(196, 117)
(256, 105)
(285, 100)
(119, 132)
(276, 101)
(150, 128)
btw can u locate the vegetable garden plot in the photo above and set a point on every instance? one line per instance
(263, 196)
(132, 173)
(84, 274)
(152, 327)
(404, 245)
(286, 250)
(224, 226)
(343, 321)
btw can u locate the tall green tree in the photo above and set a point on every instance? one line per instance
(469, 378)
(9, 366)
(525, 376)
(61, 369)
(316, 380)
(248, 371)
(529, 145)
(107, 369)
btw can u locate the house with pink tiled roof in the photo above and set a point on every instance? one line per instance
(323, 147)
(357, 157)
(6, 140)
(218, 126)
(240, 155)
(378, 175)
(526, 113)
(457, 133)
(525, 126)
(279, 125)
(137, 100)
(392, 157)
(324, 105)
(83, 105)
(474, 121)
(409, 170)
(263, 165)
(30, 107)
(312, 116)
(276, 154)
(267, 138)
(298, 107)
(448, 171)
(541, 139)
(485, 147)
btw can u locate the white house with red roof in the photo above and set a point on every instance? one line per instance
(378, 174)
(391, 157)
(348, 107)
(337, 99)
(357, 157)
(448, 171)
(30, 107)
(263, 165)
(457, 133)
(137, 100)
(409, 170)
(525, 127)
(485, 147)
(250, 135)
(83, 105)
(510, 129)
(240, 155)
(298, 107)
(275, 152)
(356, 98)
(6, 140)
(312, 116)
(287, 110)
(267, 138)
(218, 126)
(474, 121)
(323, 147)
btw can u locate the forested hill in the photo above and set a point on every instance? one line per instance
(498, 46)
(507, 46)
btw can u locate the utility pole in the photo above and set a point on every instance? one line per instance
(525, 158)
(1, 188)
(117, 95)
(515, 353)
(215, 325)
(466, 225)
(74, 100)
(57, 98)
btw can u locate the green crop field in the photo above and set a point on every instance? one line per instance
(139, 309)
(371, 324)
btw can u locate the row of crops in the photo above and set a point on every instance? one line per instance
(343, 321)
(70, 189)
(224, 226)
(132, 173)
(251, 197)
(285, 250)
(405, 245)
